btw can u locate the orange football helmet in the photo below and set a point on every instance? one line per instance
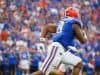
(71, 12)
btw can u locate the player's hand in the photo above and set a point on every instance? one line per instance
(43, 40)
(84, 34)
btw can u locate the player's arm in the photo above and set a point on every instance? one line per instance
(79, 34)
(48, 29)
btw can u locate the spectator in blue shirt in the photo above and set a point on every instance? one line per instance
(35, 59)
(12, 62)
(5, 64)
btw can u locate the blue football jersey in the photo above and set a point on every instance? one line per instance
(64, 33)
(24, 55)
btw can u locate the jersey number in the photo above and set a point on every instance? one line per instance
(60, 26)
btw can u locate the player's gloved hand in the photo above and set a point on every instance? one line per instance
(43, 40)
(90, 65)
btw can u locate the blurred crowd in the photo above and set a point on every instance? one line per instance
(21, 22)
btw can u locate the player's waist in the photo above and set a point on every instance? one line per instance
(69, 48)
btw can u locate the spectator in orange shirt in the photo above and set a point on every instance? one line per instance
(42, 4)
(4, 35)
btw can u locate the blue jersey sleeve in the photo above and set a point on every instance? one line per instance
(75, 21)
